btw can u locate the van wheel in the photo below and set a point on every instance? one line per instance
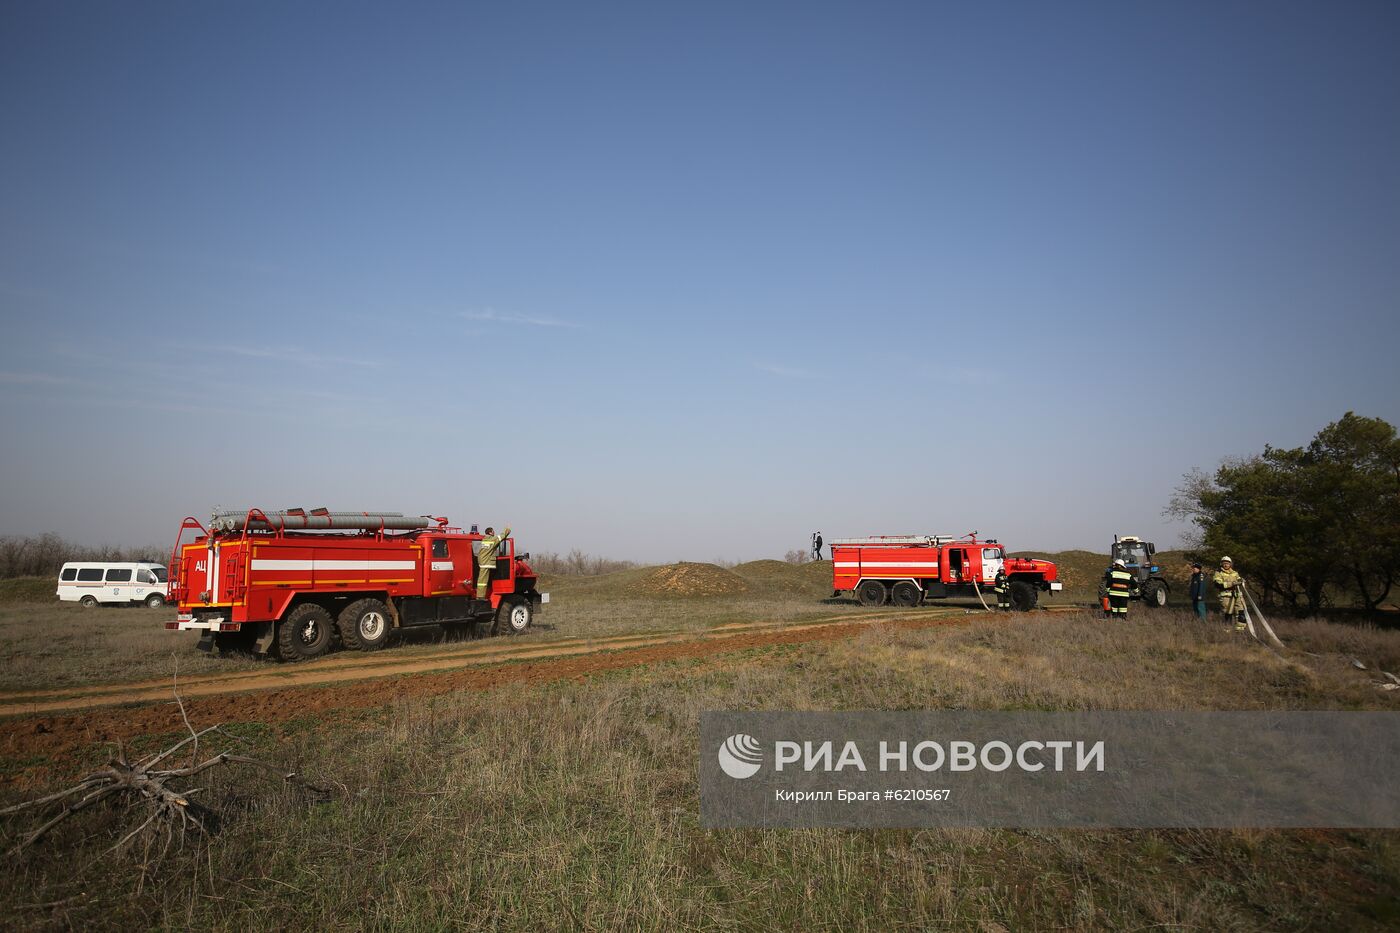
(906, 594)
(513, 617)
(364, 624)
(88, 602)
(872, 593)
(155, 601)
(305, 633)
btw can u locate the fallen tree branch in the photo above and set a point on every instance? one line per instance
(169, 805)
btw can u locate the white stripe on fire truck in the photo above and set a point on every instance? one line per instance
(886, 563)
(266, 564)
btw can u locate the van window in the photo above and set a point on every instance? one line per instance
(160, 574)
(90, 575)
(69, 573)
(119, 576)
(145, 576)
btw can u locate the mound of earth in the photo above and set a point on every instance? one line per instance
(687, 579)
(811, 578)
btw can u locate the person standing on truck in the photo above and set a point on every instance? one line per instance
(1231, 587)
(486, 560)
(1197, 591)
(1003, 590)
(1119, 585)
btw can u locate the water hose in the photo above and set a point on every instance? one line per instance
(1272, 639)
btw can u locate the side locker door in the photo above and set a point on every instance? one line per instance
(442, 571)
(463, 563)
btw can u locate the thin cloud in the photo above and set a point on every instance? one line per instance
(787, 372)
(31, 379)
(492, 316)
(287, 355)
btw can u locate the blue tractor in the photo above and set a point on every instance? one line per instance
(1138, 556)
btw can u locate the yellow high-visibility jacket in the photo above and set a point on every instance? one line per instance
(490, 546)
(1231, 596)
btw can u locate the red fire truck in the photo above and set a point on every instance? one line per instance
(907, 569)
(295, 584)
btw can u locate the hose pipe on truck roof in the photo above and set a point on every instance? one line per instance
(293, 520)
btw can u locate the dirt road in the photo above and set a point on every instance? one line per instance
(57, 723)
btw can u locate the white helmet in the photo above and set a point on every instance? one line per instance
(1226, 560)
(1119, 563)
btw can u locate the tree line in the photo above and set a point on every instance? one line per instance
(43, 555)
(1310, 527)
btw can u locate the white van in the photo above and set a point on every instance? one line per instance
(93, 582)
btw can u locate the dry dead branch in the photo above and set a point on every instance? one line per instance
(162, 789)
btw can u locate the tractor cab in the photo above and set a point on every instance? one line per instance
(1139, 557)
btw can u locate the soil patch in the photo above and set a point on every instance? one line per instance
(688, 579)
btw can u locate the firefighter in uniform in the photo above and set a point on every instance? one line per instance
(1118, 586)
(1231, 587)
(1003, 590)
(486, 560)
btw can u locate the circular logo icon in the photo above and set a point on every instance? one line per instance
(740, 756)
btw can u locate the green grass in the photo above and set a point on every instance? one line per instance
(28, 590)
(574, 806)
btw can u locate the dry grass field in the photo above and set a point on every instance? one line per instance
(572, 802)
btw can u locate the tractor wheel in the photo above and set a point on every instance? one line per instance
(305, 633)
(88, 602)
(155, 601)
(513, 617)
(1154, 594)
(906, 594)
(364, 625)
(872, 593)
(1023, 596)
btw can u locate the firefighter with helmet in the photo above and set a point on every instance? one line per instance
(486, 560)
(1118, 586)
(1231, 586)
(1002, 587)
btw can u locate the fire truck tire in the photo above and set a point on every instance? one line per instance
(155, 601)
(513, 617)
(364, 625)
(1154, 595)
(872, 593)
(88, 602)
(305, 633)
(1023, 596)
(906, 594)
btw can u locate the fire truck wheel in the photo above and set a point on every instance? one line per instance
(1154, 595)
(1023, 596)
(88, 602)
(906, 594)
(155, 601)
(872, 593)
(513, 617)
(364, 625)
(305, 633)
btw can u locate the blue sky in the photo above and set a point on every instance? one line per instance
(669, 281)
